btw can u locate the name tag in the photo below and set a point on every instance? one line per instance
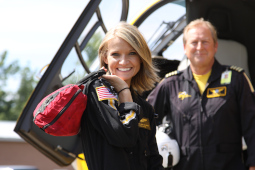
(226, 77)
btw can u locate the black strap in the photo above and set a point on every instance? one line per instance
(86, 88)
(91, 76)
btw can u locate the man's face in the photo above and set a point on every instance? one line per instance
(200, 47)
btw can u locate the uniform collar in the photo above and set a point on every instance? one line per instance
(217, 69)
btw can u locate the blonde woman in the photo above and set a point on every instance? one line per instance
(118, 127)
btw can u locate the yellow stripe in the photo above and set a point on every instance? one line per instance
(148, 7)
(81, 164)
(111, 103)
(128, 118)
(251, 87)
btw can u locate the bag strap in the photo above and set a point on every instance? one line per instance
(86, 88)
(91, 76)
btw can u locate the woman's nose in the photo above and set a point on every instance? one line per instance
(123, 60)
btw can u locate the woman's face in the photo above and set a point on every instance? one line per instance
(123, 61)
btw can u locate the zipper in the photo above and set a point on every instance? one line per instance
(62, 111)
(200, 131)
(201, 123)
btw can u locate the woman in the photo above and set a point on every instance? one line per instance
(118, 126)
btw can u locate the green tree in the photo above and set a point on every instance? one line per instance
(92, 46)
(26, 87)
(91, 51)
(13, 102)
(6, 102)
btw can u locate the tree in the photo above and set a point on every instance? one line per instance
(13, 102)
(27, 85)
(6, 102)
(92, 46)
(91, 51)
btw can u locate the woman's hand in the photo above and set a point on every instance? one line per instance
(116, 82)
(119, 84)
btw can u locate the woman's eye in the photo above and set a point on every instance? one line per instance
(114, 54)
(132, 53)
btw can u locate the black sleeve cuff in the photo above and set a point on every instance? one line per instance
(127, 106)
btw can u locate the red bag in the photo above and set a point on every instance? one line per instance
(59, 113)
(52, 113)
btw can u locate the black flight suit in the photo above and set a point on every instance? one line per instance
(209, 127)
(118, 136)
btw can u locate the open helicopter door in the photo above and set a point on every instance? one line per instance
(69, 65)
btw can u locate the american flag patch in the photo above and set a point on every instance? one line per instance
(104, 93)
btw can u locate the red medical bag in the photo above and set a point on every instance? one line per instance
(59, 113)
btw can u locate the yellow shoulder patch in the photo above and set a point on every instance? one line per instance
(171, 73)
(238, 69)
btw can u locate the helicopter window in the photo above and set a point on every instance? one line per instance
(90, 52)
(72, 69)
(110, 9)
(92, 22)
(175, 50)
(161, 30)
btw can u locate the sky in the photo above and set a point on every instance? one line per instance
(32, 31)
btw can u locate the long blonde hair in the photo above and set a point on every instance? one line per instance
(146, 78)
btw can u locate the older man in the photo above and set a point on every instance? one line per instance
(211, 106)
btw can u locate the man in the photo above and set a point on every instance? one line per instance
(211, 106)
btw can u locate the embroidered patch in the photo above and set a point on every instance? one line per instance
(104, 93)
(216, 92)
(144, 123)
(183, 95)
